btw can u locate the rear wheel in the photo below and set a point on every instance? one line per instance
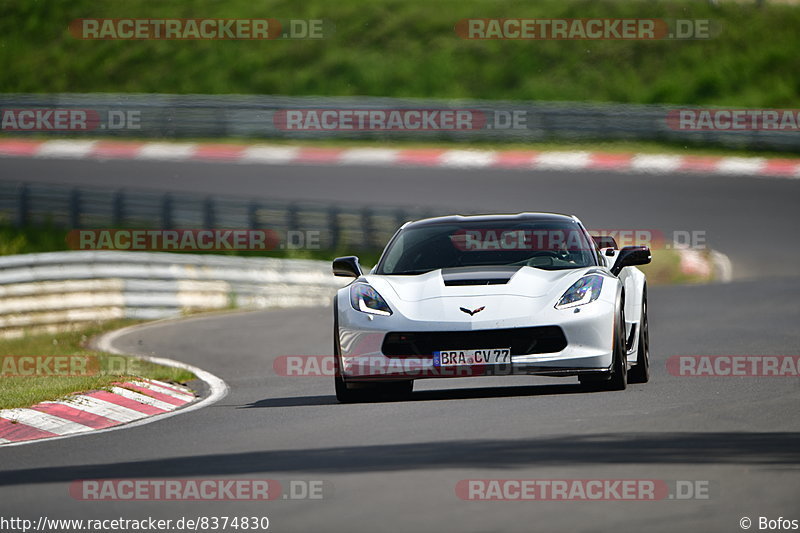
(641, 372)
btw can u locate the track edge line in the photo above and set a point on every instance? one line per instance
(218, 388)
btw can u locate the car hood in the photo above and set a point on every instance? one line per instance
(527, 282)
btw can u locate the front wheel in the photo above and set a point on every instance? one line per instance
(367, 392)
(618, 378)
(343, 394)
(394, 390)
(641, 372)
(619, 374)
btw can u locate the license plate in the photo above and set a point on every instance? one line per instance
(486, 356)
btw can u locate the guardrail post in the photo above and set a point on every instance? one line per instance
(293, 218)
(23, 206)
(400, 218)
(208, 213)
(166, 211)
(252, 215)
(75, 208)
(333, 228)
(367, 229)
(118, 209)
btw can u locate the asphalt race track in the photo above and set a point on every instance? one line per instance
(394, 466)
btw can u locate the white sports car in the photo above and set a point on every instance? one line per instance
(532, 293)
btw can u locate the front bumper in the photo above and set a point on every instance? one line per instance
(588, 334)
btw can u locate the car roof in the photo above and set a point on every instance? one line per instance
(511, 218)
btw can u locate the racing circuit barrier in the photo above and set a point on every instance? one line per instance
(333, 227)
(57, 290)
(264, 116)
(62, 290)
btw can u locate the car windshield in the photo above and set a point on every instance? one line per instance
(548, 245)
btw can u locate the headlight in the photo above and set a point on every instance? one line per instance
(367, 300)
(583, 291)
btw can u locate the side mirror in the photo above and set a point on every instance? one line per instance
(631, 256)
(347, 267)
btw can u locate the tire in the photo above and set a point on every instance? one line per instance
(593, 381)
(618, 378)
(369, 392)
(641, 372)
(619, 373)
(343, 394)
(397, 389)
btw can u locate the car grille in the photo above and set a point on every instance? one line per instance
(522, 341)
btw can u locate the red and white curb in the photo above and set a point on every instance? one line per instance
(424, 157)
(128, 404)
(80, 413)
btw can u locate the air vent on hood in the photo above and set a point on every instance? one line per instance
(489, 281)
(478, 275)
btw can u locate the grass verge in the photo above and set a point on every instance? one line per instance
(23, 391)
(409, 48)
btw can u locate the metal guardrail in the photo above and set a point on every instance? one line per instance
(337, 226)
(241, 116)
(60, 290)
